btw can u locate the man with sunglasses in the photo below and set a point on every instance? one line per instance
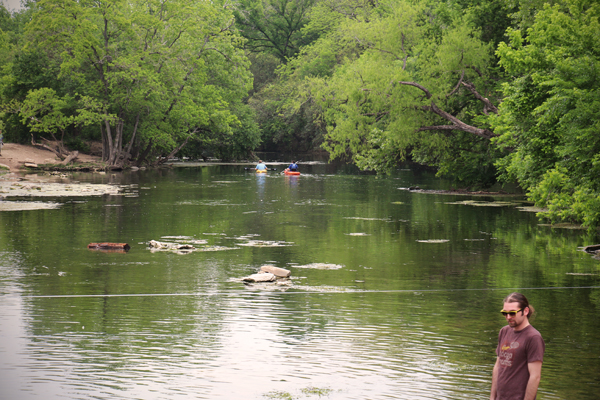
(520, 352)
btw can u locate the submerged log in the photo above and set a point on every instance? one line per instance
(594, 248)
(109, 246)
(100, 250)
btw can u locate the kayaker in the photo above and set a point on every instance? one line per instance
(293, 166)
(261, 166)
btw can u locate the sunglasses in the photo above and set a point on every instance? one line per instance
(511, 313)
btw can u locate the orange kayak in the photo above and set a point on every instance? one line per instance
(291, 172)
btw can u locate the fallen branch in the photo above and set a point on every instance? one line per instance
(46, 147)
(70, 158)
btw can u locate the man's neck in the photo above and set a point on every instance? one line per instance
(524, 325)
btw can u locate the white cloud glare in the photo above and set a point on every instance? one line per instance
(12, 5)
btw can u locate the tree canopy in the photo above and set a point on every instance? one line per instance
(549, 117)
(483, 91)
(159, 73)
(274, 26)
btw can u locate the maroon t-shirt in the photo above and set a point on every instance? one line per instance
(515, 350)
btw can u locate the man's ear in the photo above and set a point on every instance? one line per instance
(528, 311)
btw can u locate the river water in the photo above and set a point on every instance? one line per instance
(394, 294)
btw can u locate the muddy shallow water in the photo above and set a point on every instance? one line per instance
(393, 294)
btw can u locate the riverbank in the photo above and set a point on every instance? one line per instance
(16, 180)
(14, 158)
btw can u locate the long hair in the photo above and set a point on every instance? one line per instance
(520, 298)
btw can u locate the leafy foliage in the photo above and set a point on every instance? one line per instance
(393, 99)
(161, 73)
(549, 117)
(274, 26)
(481, 90)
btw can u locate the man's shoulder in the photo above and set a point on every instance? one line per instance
(531, 331)
(505, 330)
(533, 338)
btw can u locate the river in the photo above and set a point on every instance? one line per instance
(394, 294)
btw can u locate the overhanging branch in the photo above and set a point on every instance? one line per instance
(415, 84)
(487, 105)
(459, 125)
(460, 81)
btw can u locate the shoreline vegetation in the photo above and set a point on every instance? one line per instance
(485, 102)
(19, 162)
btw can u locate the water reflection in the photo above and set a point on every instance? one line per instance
(394, 294)
(401, 345)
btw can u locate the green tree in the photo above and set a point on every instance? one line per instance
(45, 112)
(491, 18)
(416, 87)
(5, 21)
(163, 73)
(525, 11)
(274, 26)
(550, 116)
(289, 117)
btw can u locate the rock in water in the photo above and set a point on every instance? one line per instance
(266, 277)
(169, 246)
(278, 272)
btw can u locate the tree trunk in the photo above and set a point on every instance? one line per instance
(107, 142)
(174, 151)
(142, 157)
(130, 144)
(113, 144)
(71, 157)
(118, 141)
